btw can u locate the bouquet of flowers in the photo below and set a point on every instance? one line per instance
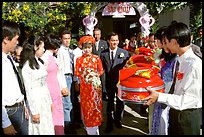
(91, 77)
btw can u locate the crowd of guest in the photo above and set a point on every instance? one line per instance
(50, 88)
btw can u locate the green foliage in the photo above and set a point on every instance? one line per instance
(195, 17)
(43, 17)
(156, 8)
(32, 14)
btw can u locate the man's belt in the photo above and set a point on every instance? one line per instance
(68, 74)
(16, 104)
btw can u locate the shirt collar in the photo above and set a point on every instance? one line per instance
(64, 47)
(114, 51)
(4, 56)
(49, 52)
(185, 55)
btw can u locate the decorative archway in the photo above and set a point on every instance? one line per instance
(146, 20)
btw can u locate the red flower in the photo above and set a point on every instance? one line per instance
(179, 75)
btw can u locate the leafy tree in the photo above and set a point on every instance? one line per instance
(155, 8)
(43, 17)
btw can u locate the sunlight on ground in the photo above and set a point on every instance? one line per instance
(135, 129)
(129, 110)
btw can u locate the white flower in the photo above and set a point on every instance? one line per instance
(121, 55)
(91, 77)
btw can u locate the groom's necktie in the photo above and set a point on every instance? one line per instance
(18, 77)
(112, 58)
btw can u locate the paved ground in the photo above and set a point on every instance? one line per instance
(133, 122)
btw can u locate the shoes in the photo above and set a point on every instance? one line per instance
(76, 125)
(70, 130)
(104, 96)
(108, 129)
(118, 124)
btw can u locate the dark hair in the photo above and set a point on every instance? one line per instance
(180, 32)
(110, 34)
(28, 52)
(199, 28)
(174, 22)
(64, 31)
(167, 56)
(51, 42)
(10, 30)
(151, 34)
(160, 33)
(97, 29)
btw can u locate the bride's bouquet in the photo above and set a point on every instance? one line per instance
(91, 77)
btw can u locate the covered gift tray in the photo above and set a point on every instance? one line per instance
(139, 73)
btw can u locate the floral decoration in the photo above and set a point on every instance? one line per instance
(93, 60)
(121, 55)
(180, 75)
(91, 77)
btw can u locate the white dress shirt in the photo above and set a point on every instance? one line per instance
(11, 92)
(77, 53)
(114, 52)
(64, 59)
(96, 44)
(188, 90)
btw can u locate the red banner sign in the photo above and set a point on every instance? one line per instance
(118, 9)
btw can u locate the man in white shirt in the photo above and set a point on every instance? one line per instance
(14, 112)
(186, 101)
(65, 58)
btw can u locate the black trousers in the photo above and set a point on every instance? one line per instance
(113, 112)
(185, 122)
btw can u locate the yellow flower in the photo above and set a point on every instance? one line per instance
(49, 14)
(9, 17)
(4, 4)
(57, 17)
(25, 7)
(64, 17)
(14, 12)
(18, 13)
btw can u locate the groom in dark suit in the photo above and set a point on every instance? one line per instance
(113, 60)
